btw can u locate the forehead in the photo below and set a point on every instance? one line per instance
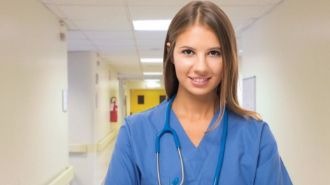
(198, 34)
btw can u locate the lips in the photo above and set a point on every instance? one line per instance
(200, 81)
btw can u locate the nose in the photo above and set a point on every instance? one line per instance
(200, 66)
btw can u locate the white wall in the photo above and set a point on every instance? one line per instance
(89, 114)
(81, 96)
(107, 87)
(33, 128)
(288, 51)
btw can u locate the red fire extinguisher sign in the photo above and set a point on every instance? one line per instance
(113, 109)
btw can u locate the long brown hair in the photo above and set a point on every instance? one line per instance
(207, 14)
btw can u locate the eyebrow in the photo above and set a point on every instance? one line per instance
(212, 48)
(215, 48)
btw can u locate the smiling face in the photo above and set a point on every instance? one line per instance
(198, 61)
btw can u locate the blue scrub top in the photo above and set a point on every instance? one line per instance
(251, 155)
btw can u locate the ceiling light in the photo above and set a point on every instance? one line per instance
(151, 60)
(152, 83)
(152, 73)
(151, 25)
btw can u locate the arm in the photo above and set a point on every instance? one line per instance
(270, 169)
(122, 169)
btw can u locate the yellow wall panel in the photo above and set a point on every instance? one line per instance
(151, 99)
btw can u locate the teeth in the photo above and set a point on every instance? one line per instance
(199, 79)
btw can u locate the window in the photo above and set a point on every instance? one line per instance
(140, 99)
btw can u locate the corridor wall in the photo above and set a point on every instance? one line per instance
(92, 82)
(288, 51)
(33, 74)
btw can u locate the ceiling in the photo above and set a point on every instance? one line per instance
(105, 26)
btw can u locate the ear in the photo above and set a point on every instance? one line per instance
(168, 47)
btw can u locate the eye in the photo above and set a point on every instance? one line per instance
(188, 52)
(215, 53)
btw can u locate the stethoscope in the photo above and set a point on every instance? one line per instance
(168, 129)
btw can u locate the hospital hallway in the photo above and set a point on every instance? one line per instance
(72, 70)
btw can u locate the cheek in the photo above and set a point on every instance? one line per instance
(218, 71)
(181, 64)
(217, 67)
(179, 69)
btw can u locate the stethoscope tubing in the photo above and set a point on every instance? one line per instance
(167, 129)
(181, 165)
(222, 150)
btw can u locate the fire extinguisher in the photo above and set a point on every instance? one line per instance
(113, 109)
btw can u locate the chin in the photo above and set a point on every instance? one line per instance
(203, 93)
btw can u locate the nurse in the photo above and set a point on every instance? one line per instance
(220, 143)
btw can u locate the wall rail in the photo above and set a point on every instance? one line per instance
(64, 178)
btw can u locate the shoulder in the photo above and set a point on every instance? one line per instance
(139, 131)
(247, 128)
(250, 136)
(149, 119)
(240, 122)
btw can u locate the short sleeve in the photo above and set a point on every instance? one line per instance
(122, 169)
(270, 169)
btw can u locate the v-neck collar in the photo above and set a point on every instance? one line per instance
(184, 136)
(194, 157)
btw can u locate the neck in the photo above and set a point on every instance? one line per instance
(195, 106)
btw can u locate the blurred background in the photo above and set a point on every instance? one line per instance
(71, 70)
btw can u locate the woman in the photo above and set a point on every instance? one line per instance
(220, 143)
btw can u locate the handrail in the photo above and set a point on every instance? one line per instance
(98, 147)
(64, 178)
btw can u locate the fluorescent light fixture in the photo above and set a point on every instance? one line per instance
(152, 80)
(152, 83)
(152, 73)
(151, 60)
(151, 25)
